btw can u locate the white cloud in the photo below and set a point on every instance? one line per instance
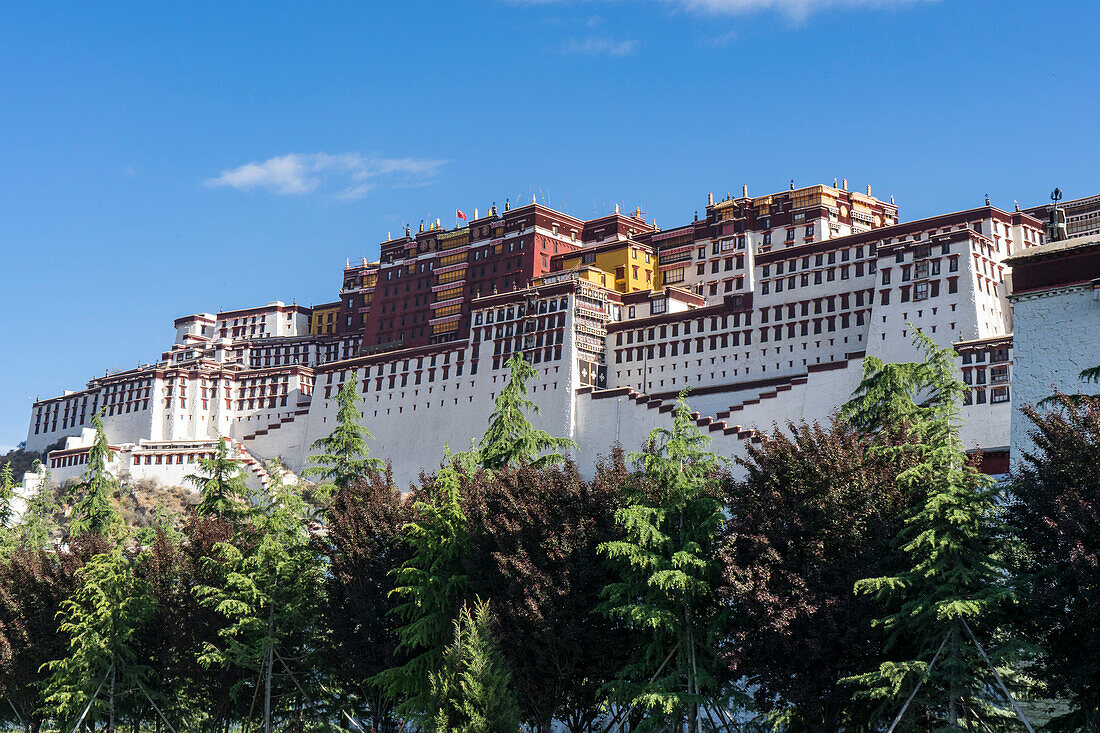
(351, 174)
(596, 46)
(798, 9)
(795, 9)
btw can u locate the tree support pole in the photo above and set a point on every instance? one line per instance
(919, 683)
(350, 719)
(151, 702)
(1000, 682)
(92, 698)
(615, 720)
(16, 711)
(304, 693)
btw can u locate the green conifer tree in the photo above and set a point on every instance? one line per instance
(431, 586)
(952, 539)
(344, 456)
(470, 692)
(96, 513)
(511, 440)
(7, 493)
(38, 526)
(101, 620)
(267, 597)
(222, 485)
(668, 574)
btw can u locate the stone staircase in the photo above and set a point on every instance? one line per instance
(252, 464)
(668, 404)
(303, 409)
(724, 421)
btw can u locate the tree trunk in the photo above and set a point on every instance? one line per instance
(111, 704)
(267, 692)
(953, 700)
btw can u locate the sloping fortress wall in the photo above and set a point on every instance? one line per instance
(763, 309)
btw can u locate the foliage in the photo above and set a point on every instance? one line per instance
(1055, 511)
(7, 493)
(33, 584)
(470, 691)
(953, 574)
(510, 439)
(96, 513)
(667, 575)
(344, 457)
(222, 485)
(431, 586)
(266, 594)
(533, 539)
(362, 544)
(100, 620)
(815, 512)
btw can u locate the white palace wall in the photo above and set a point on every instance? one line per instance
(789, 348)
(1058, 323)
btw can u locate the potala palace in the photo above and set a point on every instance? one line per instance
(764, 306)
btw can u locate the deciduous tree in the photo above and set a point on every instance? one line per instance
(533, 538)
(363, 544)
(816, 512)
(1055, 511)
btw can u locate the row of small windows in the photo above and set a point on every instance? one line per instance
(674, 330)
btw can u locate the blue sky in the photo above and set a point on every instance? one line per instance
(159, 159)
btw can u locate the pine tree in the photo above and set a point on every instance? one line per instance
(511, 440)
(668, 575)
(222, 484)
(267, 596)
(344, 457)
(100, 620)
(954, 581)
(38, 526)
(95, 514)
(7, 493)
(431, 585)
(470, 692)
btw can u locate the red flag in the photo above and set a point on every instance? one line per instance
(460, 215)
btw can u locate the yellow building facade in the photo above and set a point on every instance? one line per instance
(323, 319)
(627, 266)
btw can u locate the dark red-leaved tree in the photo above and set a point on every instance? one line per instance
(533, 532)
(33, 583)
(814, 514)
(1055, 510)
(362, 544)
(222, 688)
